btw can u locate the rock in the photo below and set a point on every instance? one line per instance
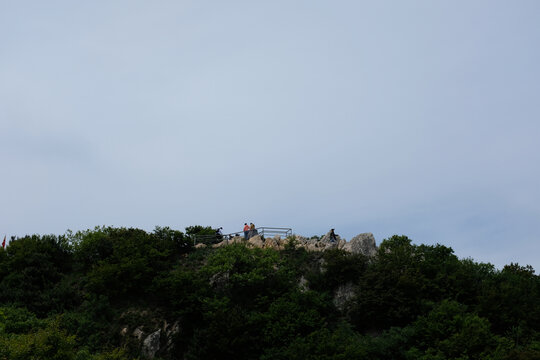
(283, 242)
(330, 245)
(200, 246)
(171, 332)
(256, 241)
(237, 240)
(312, 247)
(302, 241)
(151, 344)
(362, 244)
(303, 284)
(272, 243)
(138, 333)
(326, 238)
(124, 331)
(220, 244)
(343, 295)
(219, 280)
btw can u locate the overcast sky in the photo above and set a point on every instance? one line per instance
(419, 118)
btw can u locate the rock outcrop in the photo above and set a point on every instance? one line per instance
(256, 241)
(154, 338)
(343, 295)
(151, 344)
(362, 244)
(275, 243)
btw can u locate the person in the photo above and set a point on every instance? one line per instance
(333, 237)
(246, 231)
(252, 230)
(219, 234)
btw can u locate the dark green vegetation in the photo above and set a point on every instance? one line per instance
(91, 295)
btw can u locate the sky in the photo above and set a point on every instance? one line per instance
(417, 118)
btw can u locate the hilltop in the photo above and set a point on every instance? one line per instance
(117, 293)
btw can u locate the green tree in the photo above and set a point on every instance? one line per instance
(30, 269)
(450, 332)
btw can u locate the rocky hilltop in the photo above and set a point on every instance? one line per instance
(127, 294)
(360, 244)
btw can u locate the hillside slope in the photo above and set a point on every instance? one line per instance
(116, 293)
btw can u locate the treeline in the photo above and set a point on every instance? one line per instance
(90, 296)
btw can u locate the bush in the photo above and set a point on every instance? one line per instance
(30, 269)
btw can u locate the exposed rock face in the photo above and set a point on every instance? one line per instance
(219, 280)
(236, 240)
(362, 244)
(303, 284)
(343, 295)
(171, 331)
(256, 241)
(274, 243)
(138, 333)
(155, 338)
(220, 244)
(151, 344)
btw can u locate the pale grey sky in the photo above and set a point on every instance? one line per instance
(393, 117)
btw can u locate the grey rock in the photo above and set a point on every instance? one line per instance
(171, 331)
(138, 333)
(273, 243)
(151, 344)
(362, 244)
(303, 284)
(237, 240)
(343, 295)
(256, 241)
(221, 244)
(312, 247)
(219, 280)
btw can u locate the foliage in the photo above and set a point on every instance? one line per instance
(338, 267)
(83, 296)
(31, 269)
(450, 332)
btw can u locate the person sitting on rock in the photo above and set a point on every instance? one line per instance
(219, 234)
(333, 237)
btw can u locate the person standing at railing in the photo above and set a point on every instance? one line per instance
(252, 230)
(246, 231)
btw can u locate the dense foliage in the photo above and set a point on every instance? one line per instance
(99, 294)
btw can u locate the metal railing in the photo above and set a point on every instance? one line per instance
(262, 231)
(273, 231)
(207, 239)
